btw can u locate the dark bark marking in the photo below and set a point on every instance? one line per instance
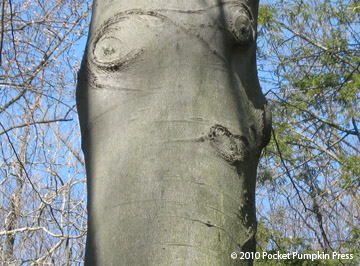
(233, 148)
(208, 224)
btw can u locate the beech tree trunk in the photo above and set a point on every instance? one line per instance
(173, 122)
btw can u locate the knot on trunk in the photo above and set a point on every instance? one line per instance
(242, 25)
(232, 148)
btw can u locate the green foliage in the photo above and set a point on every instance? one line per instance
(309, 67)
(266, 15)
(350, 174)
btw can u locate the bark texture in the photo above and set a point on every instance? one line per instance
(173, 122)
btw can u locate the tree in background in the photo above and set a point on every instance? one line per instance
(309, 60)
(42, 213)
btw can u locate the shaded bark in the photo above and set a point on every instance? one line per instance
(173, 122)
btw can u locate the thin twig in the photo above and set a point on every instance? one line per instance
(287, 170)
(2, 30)
(22, 165)
(33, 123)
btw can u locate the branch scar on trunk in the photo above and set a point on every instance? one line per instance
(110, 47)
(242, 25)
(232, 148)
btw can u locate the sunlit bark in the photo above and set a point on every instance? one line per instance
(173, 121)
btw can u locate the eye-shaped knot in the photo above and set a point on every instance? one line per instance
(114, 46)
(243, 30)
(242, 26)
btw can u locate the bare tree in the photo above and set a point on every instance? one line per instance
(42, 181)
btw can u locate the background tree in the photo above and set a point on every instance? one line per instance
(173, 122)
(309, 180)
(42, 199)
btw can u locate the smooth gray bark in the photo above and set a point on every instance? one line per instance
(173, 122)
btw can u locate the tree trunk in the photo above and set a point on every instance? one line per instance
(173, 122)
